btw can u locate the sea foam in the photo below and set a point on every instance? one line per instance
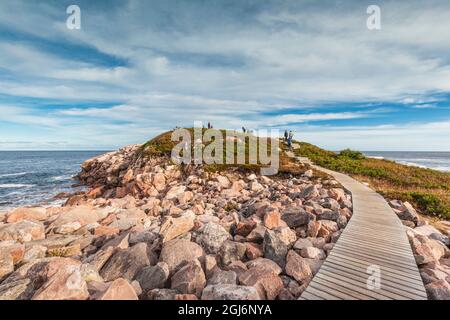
(15, 185)
(13, 174)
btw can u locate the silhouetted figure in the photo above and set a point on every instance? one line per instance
(285, 135)
(209, 125)
(244, 130)
(289, 140)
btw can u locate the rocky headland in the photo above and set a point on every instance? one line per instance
(148, 229)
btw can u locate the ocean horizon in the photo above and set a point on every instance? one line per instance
(35, 177)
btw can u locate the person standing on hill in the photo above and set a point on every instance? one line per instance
(289, 140)
(285, 135)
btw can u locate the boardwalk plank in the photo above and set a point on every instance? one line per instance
(373, 236)
(386, 271)
(400, 270)
(336, 289)
(385, 285)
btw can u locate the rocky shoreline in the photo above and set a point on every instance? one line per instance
(149, 230)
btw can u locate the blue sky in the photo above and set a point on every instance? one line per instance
(137, 68)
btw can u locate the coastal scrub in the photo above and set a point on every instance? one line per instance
(427, 189)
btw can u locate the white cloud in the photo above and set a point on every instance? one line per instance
(409, 136)
(232, 66)
(425, 106)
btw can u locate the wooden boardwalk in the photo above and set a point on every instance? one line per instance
(374, 238)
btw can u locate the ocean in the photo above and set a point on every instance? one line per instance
(35, 177)
(433, 160)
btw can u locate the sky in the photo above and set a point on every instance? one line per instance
(139, 68)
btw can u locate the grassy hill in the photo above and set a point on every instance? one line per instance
(162, 145)
(427, 189)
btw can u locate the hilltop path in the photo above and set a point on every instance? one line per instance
(374, 238)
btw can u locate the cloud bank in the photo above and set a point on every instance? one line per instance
(137, 68)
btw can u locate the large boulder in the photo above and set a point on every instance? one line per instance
(313, 253)
(177, 251)
(231, 251)
(438, 290)
(174, 227)
(222, 277)
(244, 227)
(297, 267)
(175, 192)
(314, 264)
(408, 213)
(310, 192)
(23, 231)
(189, 279)
(267, 283)
(328, 214)
(331, 204)
(119, 289)
(30, 214)
(286, 234)
(254, 251)
(153, 277)
(337, 194)
(76, 218)
(14, 249)
(302, 243)
(313, 228)
(16, 290)
(162, 294)
(257, 234)
(223, 181)
(6, 264)
(264, 264)
(99, 258)
(125, 263)
(211, 237)
(295, 217)
(274, 248)
(431, 232)
(229, 292)
(66, 284)
(159, 181)
(272, 218)
(427, 250)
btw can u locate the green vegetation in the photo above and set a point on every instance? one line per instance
(161, 146)
(351, 154)
(428, 190)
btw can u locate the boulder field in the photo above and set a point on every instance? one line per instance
(146, 229)
(430, 246)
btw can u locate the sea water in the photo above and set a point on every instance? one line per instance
(35, 177)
